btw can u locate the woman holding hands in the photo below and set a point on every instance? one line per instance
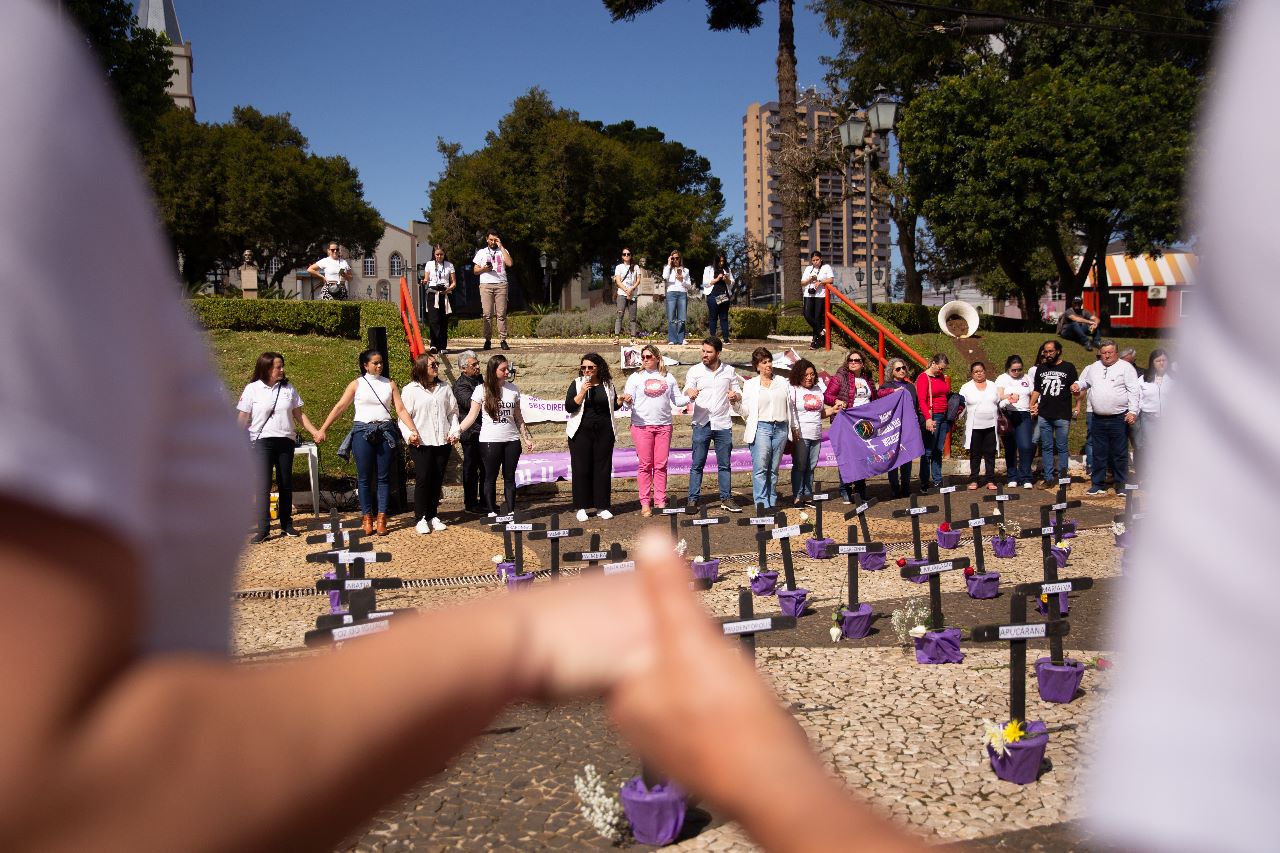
(980, 401)
(496, 404)
(766, 406)
(430, 402)
(590, 403)
(653, 395)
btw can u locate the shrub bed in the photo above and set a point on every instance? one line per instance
(331, 319)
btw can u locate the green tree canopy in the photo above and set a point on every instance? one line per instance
(578, 190)
(252, 184)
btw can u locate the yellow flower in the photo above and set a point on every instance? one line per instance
(1014, 732)
(1044, 598)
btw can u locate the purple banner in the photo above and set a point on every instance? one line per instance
(554, 465)
(876, 437)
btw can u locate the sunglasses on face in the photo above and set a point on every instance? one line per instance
(591, 367)
(648, 356)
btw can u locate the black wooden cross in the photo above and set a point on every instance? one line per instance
(853, 549)
(515, 528)
(1049, 534)
(819, 498)
(933, 568)
(914, 511)
(332, 523)
(1000, 499)
(860, 512)
(553, 533)
(745, 627)
(761, 521)
(1016, 635)
(783, 534)
(672, 513)
(1052, 588)
(1130, 513)
(946, 492)
(704, 524)
(975, 523)
(594, 557)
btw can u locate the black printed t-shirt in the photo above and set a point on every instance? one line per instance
(1054, 382)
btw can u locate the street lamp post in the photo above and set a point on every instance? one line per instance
(773, 244)
(546, 274)
(880, 116)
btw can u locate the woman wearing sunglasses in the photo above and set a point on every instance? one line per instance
(434, 409)
(676, 276)
(590, 403)
(653, 394)
(897, 377)
(850, 387)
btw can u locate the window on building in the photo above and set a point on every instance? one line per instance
(1120, 303)
(397, 265)
(273, 267)
(370, 267)
(1056, 292)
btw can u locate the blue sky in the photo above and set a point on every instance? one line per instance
(377, 81)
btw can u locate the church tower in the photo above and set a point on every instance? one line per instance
(159, 15)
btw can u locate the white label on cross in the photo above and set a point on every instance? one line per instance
(946, 490)
(1021, 632)
(748, 626)
(1048, 531)
(760, 519)
(1137, 516)
(594, 555)
(852, 549)
(350, 631)
(1051, 588)
(934, 568)
(358, 583)
(1131, 486)
(673, 510)
(618, 568)
(515, 528)
(825, 496)
(786, 532)
(347, 618)
(701, 521)
(1004, 497)
(1064, 481)
(917, 510)
(503, 519)
(1058, 506)
(977, 522)
(557, 534)
(860, 509)
(356, 557)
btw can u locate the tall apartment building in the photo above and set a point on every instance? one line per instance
(841, 234)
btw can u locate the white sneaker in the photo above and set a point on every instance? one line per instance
(604, 515)
(493, 515)
(1012, 484)
(582, 515)
(423, 526)
(437, 524)
(1028, 485)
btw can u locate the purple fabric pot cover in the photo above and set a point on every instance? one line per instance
(335, 597)
(505, 570)
(1020, 763)
(792, 601)
(1064, 605)
(515, 581)
(872, 562)
(855, 624)
(820, 549)
(983, 586)
(1122, 540)
(918, 578)
(1059, 683)
(656, 814)
(709, 570)
(1004, 547)
(764, 583)
(948, 538)
(1061, 553)
(939, 647)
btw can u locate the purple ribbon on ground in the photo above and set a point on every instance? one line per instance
(877, 437)
(939, 647)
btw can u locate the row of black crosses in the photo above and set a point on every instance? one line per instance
(357, 593)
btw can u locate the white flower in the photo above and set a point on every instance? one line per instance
(804, 517)
(1118, 528)
(753, 571)
(599, 808)
(993, 736)
(835, 633)
(681, 548)
(918, 631)
(497, 558)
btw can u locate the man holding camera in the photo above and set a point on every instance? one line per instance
(334, 271)
(491, 263)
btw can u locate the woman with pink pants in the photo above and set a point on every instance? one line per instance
(653, 395)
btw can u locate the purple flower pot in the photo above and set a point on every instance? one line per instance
(1059, 683)
(1061, 553)
(792, 601)
(656, 814)
(855, 624)
(505, 570)
(1021, 761)
(820, 549)
(948, 538)
(1004, 547)
(939, 647)
(1068, 530)
(710, 570)
(873, 562)
(764, 583)
(918, 578)
(1122, 540)
(1064, 605)
(983, 586)
(335, 596)
(515, 581)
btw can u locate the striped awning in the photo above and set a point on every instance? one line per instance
(1170, 269)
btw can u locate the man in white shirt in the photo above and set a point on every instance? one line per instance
(334, 271)
(491, 263)
(1113, 395)
(714, 387)
(814, 281)
(626, 276)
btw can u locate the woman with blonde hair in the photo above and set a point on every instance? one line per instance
(653, 395)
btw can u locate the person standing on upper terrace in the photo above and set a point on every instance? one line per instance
(491, 263)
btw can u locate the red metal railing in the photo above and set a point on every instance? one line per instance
(882, 333)
(409, 318)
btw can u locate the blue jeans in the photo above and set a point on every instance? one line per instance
(1079, 332)
(1017, 445)
(703, 436)
(373, 459)
(766, 456)
(1053, 438)
(1088, 440)
(1110, 450)
(718, 314)
(804, 461)
(677, 311)
(935, 444)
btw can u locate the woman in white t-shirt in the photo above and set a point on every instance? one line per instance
(434, 410)
(676, 276)
(438, 281)
(270, 409)
(496, 403)
(373, 436)
(807, 411)
(980, 401)
(653, 395)
(1015, 402)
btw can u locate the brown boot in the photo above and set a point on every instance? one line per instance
(382, 524)
(366, 524)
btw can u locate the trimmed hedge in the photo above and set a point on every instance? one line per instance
(330, 319)
(753, 323)
(911, 319)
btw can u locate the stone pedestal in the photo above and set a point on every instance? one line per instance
(248, 279)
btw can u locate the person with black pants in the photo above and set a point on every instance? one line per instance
(464, 387)
(438, 281)
(496, 404)
(434, 410)
(590, 403)
(814, 281)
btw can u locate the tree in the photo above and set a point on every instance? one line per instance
(744, 15)
(252, 184)
(135, 59)
(583, 190)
